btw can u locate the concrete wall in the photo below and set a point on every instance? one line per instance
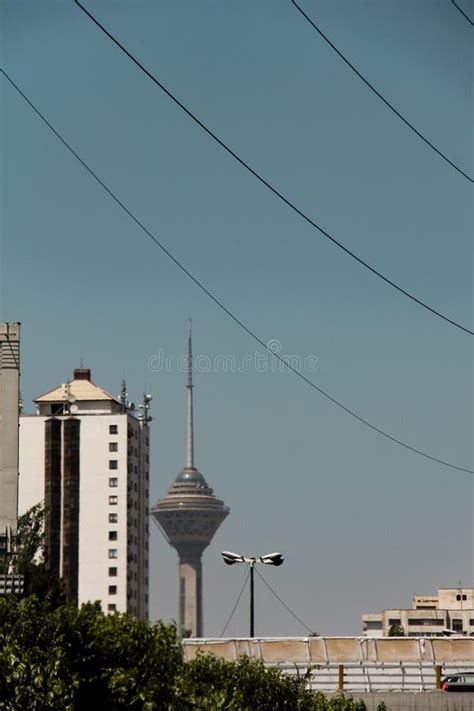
(369, 665)
(338, 650)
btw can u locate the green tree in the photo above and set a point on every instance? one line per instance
(29, 558)
(396, 631)
(69, 659)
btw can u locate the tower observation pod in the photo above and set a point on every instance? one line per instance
(189, 516)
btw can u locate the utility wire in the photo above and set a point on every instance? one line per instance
(377, 93)
(221, 305)
(267, 183)
(462, 12)
(236, 604)
(284, 603)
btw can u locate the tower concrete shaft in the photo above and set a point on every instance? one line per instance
(190, 593)
(9, 421)
(189, 516)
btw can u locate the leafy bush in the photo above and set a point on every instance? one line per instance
(68, 659)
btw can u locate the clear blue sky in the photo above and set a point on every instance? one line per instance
(362, 523)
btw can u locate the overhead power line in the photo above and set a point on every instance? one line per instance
(220, 304)
(377, 93)
(236, 604)
(471, 22)
(308, 629)
(266, 182)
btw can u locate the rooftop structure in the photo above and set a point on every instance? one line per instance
(189, 515)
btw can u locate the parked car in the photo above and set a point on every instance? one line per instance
(459, 682)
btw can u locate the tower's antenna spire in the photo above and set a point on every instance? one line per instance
(190, 430)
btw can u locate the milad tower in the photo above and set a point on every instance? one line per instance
(189, 516)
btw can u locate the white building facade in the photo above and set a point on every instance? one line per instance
(86, 455)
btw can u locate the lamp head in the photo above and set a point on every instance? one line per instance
(231, 558)
(272, 559)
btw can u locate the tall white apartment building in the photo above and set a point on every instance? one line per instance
(86, 455)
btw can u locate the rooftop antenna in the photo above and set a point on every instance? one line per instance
(190, 424)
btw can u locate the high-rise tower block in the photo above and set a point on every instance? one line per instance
(9, 418)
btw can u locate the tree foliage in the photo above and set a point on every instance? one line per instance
(68, 659)
(28, 557)
(396, 631)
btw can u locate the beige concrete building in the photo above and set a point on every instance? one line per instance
(450, 612)
(9, 415)
(86, 455)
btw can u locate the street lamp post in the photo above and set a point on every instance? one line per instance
(252, 600)
(268, 559)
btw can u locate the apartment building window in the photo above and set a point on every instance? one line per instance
(113, 446)
(111, 607)
(112, 589)
(113, 501)
(457, 626)
(113, 429)
(113, 464)
(113, 481)
(113, 518)
(394, 620)
(113, 572)
(113, 535)
(113, 553)
(425, 621)
(461, 597)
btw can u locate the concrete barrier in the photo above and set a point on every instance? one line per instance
(351, 663)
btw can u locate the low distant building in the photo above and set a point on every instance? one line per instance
(449, 612)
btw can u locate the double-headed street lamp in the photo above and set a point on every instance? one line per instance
(269, 559)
